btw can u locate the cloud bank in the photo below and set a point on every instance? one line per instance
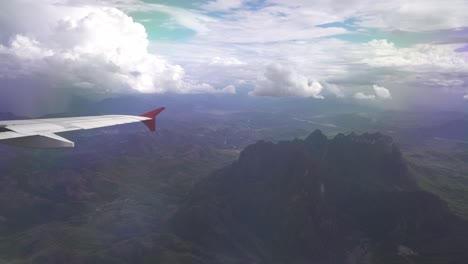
(272, 48)
(279, 80)
(82, 47)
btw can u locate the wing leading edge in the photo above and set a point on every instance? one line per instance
(40, 133)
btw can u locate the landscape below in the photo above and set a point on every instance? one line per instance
(210, 187)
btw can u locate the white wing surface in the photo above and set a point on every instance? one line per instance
(40, 133)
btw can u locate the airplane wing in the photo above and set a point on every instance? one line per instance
(41, 133)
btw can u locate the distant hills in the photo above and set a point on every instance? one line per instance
(350, 199)
(454, 130)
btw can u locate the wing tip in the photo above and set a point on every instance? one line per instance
(151, 124)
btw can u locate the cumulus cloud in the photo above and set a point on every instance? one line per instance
(85, 45)
(278, 32)
(382, 92)
(334, 89)
(76, 46)
(280, 80)
(347, 66)
(379, 93)
(421, 57)
(275, 30)
(230, 89)
(362, 96)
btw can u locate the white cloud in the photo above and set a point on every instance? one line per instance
(26, 48)
(465, 97)
(279, 80)
(347, 66)
(416, 15)
(422, 57)
(85, 47)
(241, 25)
(230, 89)
(220, 5)
(188, 18)
(279, 33)
(101, 48)
(362, 96)
(334, 89)
(270, 24)
(227, 61)
(445, 82)
(382, 92)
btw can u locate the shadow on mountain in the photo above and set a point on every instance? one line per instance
(350, 199)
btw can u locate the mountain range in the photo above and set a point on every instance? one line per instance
(188, 194)
(350, 199)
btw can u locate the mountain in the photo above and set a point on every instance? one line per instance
(350, 199)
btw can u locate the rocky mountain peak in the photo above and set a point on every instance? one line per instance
(316, 200)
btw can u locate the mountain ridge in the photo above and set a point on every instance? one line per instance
(350, 199)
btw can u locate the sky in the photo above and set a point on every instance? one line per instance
(395, 53)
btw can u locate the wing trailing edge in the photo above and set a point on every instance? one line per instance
(40, 141)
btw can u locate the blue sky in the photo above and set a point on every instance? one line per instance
(396, 53)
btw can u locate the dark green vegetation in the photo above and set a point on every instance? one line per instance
(441, 167)
(124, 195)
(101, 202)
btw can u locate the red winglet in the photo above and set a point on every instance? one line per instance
(151, 124)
